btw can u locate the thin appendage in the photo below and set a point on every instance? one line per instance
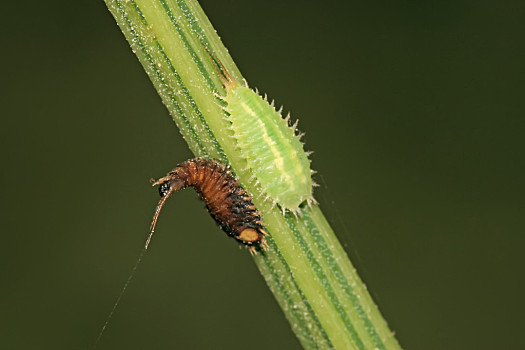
(157, 213)
(117, 302)
(226, 78)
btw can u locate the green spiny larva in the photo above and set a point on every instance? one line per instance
(273, 151)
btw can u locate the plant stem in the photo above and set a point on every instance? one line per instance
(305, 267)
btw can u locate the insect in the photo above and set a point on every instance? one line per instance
(228, 203)
(273, 151)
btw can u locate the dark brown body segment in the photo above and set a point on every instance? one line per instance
(228, 203)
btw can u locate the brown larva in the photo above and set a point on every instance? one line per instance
(228, 203)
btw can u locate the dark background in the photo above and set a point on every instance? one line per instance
(414, 110)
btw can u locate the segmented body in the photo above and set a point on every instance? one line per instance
(270, 146)
(228, 203)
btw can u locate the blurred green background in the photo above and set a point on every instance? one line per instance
(414, 111)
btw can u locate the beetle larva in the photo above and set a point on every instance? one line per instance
(227, 202)
(273, 151)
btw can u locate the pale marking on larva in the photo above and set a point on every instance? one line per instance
(278, 158)
(279, 161)
(284, 137)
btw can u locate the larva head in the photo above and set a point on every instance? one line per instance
(170, 183)
(167, 186)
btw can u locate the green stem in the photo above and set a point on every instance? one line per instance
(305, 267)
